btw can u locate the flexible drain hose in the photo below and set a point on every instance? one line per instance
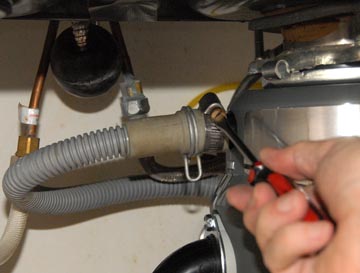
(13, 234)
(57, 159)
(119, 191)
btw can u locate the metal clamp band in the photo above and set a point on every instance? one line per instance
(193, 131)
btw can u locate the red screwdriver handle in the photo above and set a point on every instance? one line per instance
(281, 184)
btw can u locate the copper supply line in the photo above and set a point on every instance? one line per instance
(39, 82)
(27, 143)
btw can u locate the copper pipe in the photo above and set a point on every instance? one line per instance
(43, 65)
(42, 72)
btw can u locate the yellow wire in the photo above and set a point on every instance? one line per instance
(219, 89)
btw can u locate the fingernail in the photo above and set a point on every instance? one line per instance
(285, 203)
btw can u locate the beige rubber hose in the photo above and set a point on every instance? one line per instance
(13, 234)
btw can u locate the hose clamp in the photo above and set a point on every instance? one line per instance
(193, 132)
(124, 141)
(194, 149)
(214, 141)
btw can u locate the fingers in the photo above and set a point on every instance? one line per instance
(293, 242)
(287, 209)
(332, 164)
(262, 195)
(299, 161)
(276, 222)
(239, 196)
(250, 200)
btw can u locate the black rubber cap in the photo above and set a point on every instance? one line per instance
(202, 256)
(89, 72)
(207, 100)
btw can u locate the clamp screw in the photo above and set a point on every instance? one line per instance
(210, 223)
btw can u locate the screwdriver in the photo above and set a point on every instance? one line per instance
(258, 172)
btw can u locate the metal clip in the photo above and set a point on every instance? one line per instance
(187, 173)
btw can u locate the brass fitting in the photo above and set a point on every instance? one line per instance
(27, 145)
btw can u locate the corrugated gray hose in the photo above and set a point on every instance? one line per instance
(78, 152)
(120, 191)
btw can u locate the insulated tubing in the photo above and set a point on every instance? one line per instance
(13, 234)
(120, 191)
(57, 159)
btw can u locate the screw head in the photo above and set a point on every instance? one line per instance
(210, 223)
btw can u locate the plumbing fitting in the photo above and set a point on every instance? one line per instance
(183, 132)
(26, 145)
(186, 132)
(134, 104)
(215, 165)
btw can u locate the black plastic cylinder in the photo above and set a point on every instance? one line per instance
(88, 71)
(207, 100)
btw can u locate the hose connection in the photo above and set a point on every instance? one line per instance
(214, 142)
(194, 145)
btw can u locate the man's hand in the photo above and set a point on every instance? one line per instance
(290, 245)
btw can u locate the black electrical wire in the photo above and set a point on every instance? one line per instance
(259, 44)
(245, 84)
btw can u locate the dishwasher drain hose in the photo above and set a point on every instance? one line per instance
(118, 191)
(182, 132)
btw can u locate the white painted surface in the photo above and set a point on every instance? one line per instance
(175, 61)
